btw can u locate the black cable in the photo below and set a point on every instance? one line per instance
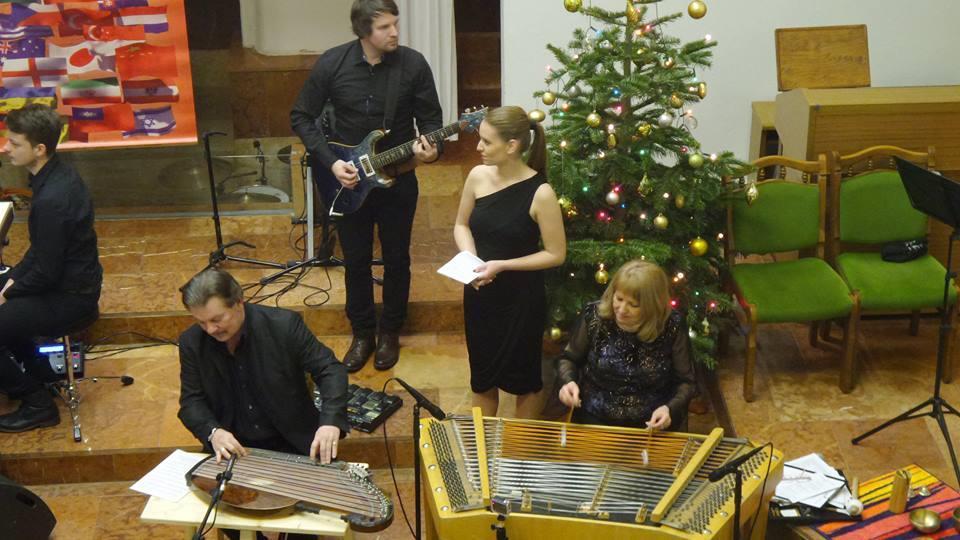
(89, 346)
(396, 486)
(114, 352)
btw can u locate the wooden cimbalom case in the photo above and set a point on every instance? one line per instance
(551, 480)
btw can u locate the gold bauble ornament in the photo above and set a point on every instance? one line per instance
(646, 186)
(564, 203)
(613, 197)
(536, 115)
(702, 90)
(611, 141)
(676, 102)
(633, 17)
(695, 160)
(549, 98)
(698, 247)
(572, 6)
(680, 201)
(697, 9)
(706, 327)
(556, 333)
(752, 193)
(667, 63)
(644, 129)
(661, 222)
(594, 120)
(572, 211)
(601, 277)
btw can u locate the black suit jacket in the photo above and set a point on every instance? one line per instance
(279, 349)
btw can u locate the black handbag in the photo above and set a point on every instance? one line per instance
(903, 251)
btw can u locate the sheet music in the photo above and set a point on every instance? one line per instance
(168, 479)
(809, 480)
(460, 267)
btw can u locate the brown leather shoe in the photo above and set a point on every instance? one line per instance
(388, 351)
(358, 353)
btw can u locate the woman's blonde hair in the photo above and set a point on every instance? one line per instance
(647, 284)
(512, 123)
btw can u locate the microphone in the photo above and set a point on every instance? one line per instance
(726, 469)
(421, 400)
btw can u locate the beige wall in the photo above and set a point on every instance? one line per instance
(911, 43)
(278, 27)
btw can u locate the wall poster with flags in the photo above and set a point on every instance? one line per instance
(118, 71)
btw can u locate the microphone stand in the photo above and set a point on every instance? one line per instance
(420, 401)
(219, 255)
(737, 497)
(217, 495)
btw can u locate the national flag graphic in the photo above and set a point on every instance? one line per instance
(153, 122)
(83, 57)
(87, 120)
(149, 91)
(23, 48)
(17, 32)
(74, 20)
(91, 92)
(34, 72)
(26, 92)
(110, 5)
(39, 14)
(153, 19)
(143, 60)
(14, 103)
(114, 33)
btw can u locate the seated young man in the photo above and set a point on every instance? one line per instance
(57, 283)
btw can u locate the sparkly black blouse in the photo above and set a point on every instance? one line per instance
(622, 379)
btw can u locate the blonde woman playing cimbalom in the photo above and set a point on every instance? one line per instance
(628, 361)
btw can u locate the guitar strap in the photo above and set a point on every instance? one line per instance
(393, 89)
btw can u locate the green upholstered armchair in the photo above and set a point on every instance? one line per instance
(787, 218)
(873, 209)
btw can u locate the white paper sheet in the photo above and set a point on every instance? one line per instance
(460, 267)
(809, 480)
(168, 479)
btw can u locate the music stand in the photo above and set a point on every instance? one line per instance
(938, 197)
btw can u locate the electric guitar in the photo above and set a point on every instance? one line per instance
(377, 170)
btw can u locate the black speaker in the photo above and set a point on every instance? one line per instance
(22, 514)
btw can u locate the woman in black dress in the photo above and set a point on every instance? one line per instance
(628, 360)
(506, 211)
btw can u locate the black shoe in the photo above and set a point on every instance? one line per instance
(360, 350)
(37, 410)
(388, 351)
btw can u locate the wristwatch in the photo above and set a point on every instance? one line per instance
(212, 431)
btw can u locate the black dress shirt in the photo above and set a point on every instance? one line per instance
(358, 93)
(62, 256)
(275, 352)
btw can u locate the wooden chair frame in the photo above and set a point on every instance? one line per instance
(846, 166)
(819, 169)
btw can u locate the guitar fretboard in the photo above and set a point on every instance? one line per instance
(405, 150)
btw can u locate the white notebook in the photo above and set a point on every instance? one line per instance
(461, 266)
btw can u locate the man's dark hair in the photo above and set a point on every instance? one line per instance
(210, 283)
(38, 123)
(363, 12)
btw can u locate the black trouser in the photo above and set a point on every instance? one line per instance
(391, 210)
(23, 318)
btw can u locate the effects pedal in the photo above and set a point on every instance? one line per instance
(54, 354)
(367, 409)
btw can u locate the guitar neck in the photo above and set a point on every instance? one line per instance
(404, 151)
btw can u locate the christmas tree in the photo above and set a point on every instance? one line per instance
(632, 179)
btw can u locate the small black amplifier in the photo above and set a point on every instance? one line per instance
(55, 355)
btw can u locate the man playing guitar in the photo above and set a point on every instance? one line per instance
(373, 83)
